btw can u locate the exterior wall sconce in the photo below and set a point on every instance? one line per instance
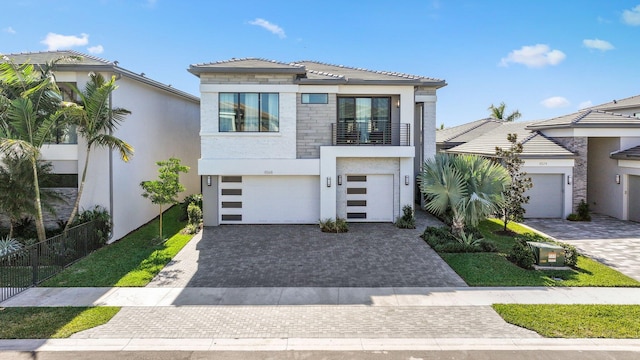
(339, 179)
(406, 179)
(618, 179)
(209, 180)
(398, 103)
(568, 179)
(328, 181)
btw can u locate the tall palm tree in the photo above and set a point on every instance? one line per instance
(30, 110)
(95, 122)
(497, 112)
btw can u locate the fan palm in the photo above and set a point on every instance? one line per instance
(498, 112)
(96, 121)
(464, 189)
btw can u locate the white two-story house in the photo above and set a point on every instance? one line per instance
(163, 123)
(306, 141)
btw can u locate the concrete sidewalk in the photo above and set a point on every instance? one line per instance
(403, 297)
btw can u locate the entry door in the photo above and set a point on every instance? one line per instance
(370, 198)
(634, 198)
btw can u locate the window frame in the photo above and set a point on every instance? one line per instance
(309, 97)
(264, 118)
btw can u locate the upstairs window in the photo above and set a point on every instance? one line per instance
(315, 98)
(248, 112)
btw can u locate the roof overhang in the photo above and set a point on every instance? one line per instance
(197, 70)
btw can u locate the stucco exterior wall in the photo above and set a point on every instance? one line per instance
(605, 196)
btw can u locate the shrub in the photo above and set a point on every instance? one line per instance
(488, 246)
(25, 228)
(442, 241)
(191, 229)
(570, 254)
(456, 247)
(440, 233)
(583, 211)
(408, 219)
(9, 246)
(521, 254)
(103, 218)
(195, 214)
(188, 200)
(338, 226)
(573, 217)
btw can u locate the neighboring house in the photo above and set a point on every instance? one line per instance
(300, 142)
(590, 155)
(163, 123)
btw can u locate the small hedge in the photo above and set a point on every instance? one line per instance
(442, 241)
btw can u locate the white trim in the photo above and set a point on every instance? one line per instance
(548, 162)
(259, 167)
(629, 163)
(426, 98)
(264, 88)
(52, 152)
(329, 89)
(241, 134)
(593, 132)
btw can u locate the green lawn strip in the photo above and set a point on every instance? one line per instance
(493, 269)
(575, 321)
(51, 322)
(131, 261)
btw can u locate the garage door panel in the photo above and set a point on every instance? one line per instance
(634, 198)
(370, 198)
(546, 197)
(275, 200)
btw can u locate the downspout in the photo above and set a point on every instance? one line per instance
(118, 76)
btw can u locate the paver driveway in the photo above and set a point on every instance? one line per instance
(613, 242)
(369, 255)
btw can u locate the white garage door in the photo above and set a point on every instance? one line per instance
(370, 198)
(546, 196)
(634, 198)
(269, 199)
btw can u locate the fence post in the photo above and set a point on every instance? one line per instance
(34, 264)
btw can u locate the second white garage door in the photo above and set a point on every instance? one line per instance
(269, 199)
(546, 196)
(370, 198)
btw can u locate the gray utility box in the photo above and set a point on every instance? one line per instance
(547, 254)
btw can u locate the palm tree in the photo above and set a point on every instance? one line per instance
(497, 112)
(465, 189)
(96, 121)
(30, 110)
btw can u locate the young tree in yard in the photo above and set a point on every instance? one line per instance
(95, 121)
(513, 209)
(164, 191)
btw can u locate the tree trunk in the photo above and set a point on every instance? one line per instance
(161, 223)
(42, 236)
(76, 205)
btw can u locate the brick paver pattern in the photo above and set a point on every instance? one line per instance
(369, 255)
(613, 242)
(307, 322)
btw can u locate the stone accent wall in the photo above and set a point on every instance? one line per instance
(247, 78)
(578, 145)
(62, 209)
(313, 126)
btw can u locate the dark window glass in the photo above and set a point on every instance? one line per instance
(248, 112)
(315, 98)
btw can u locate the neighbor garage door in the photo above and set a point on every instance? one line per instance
(546, 197)
(269, 199)
(634, 198)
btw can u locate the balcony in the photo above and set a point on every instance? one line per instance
(370, 133)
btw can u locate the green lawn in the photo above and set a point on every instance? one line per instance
(131, 261)
(493, 269)
(575, 321)
(51, 322)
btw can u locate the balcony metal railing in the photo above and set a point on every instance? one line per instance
(371, 133)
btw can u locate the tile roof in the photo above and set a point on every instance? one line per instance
(628, 154)
(91, 63)
(630, 102)
(466, 132)
(313, 72)
(588, 118)
(535, 144)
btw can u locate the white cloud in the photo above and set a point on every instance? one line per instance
(56, 41)
(535, 56)
(9, 30)
(273, 28)
(555, 102)
(597, 44)
(585, 104)
(98, 49)
(632, 17)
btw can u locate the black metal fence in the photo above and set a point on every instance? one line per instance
(371, 133)
(38, 262)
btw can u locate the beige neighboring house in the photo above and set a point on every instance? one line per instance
(591, 155)
(164, 122)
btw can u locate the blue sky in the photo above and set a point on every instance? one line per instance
(543, 57)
